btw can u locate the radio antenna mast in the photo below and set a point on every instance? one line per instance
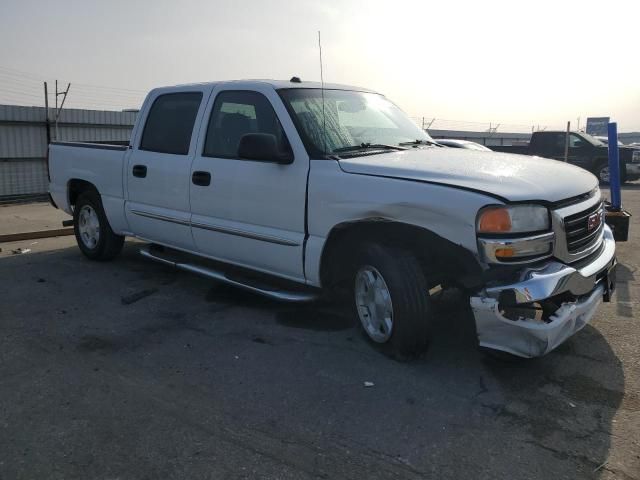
(324, 118)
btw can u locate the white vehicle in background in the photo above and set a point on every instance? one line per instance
(466, 144)
(294, 191)
(605, 140)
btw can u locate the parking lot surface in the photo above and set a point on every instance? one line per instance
(131, 370)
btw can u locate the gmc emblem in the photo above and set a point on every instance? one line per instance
(594, 221)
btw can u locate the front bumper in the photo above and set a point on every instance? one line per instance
(530, 338)
(633, 170)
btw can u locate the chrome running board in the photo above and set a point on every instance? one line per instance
(276, 294)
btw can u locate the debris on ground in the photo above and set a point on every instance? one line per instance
(369, 384)
(134, 297)
(20, 250)
(600, 466)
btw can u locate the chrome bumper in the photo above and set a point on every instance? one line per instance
(531, 339)
(633, 169)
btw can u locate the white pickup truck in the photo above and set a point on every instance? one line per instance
(291, 190)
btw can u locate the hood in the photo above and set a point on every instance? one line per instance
(512, 177)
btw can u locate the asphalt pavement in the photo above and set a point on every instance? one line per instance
(131, 370)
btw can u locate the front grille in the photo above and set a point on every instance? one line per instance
(579, 236)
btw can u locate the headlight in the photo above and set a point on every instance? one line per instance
(515, 233)
(513, 219)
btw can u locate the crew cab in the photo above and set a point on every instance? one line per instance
(585, 151)
(296, 190)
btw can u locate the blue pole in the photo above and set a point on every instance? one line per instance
(614, 167)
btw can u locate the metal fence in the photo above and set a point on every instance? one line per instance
(23, 142)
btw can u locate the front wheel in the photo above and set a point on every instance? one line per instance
(91, 227)
(602, 172)
(391, 299)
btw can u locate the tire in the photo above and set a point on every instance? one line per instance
(397, 272)
(602, 172)
(91, 227)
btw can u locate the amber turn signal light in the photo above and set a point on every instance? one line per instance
(495, 220)
(506, 252)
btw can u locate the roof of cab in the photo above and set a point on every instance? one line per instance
(276, 84)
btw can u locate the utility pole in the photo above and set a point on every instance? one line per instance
(58, 110)
(566, 143)
(46, 114)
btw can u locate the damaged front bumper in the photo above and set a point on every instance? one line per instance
(585, 287)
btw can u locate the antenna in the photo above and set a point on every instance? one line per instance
(324, 118)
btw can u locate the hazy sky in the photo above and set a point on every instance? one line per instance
(508, 62)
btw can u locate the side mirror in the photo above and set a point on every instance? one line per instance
(264, 148)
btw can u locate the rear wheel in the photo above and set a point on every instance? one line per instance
(91, 227)
(391, 300)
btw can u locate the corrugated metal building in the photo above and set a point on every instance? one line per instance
(23, 142)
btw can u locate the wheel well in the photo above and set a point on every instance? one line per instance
(600, 160)
(448, 262)
(76, 187)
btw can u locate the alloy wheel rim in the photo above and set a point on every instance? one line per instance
(89, 226)
(373, 302)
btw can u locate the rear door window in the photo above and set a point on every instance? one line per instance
(170, 123)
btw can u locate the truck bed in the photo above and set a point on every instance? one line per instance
(99, 164)
(519, 149)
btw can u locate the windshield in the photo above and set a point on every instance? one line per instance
(352, 119)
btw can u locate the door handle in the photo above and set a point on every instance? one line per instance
(139, 171)
(201, 178)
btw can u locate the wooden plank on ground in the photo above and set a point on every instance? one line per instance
(16, 237)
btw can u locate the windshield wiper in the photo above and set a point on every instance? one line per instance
(368, 146)
(421, 142)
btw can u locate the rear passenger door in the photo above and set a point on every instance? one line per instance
(250, 213)
(159, 165)
(551, 145)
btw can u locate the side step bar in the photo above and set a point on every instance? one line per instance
(282, 295)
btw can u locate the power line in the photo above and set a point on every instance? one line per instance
(34, 77)
(12, 88)
(27, 94)
(20, 73)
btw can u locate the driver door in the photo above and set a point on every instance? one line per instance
(247, 212)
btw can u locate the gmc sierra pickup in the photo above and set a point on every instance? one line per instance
(584, 151)
(292, 191)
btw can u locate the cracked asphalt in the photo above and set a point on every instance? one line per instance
(130, 370)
